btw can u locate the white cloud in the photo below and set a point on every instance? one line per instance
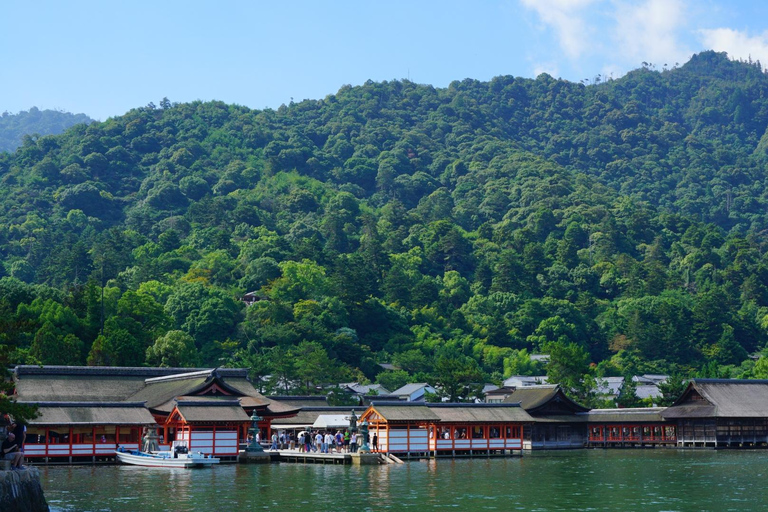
(648, 31)
(738, 44)
(549, 68)
(567, 18)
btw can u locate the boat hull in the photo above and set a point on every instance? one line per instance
(159, 461)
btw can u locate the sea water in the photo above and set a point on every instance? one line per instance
(588, 480)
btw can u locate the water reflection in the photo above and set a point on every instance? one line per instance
(590, 480)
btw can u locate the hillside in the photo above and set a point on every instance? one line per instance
(35, 122)
(450, 231)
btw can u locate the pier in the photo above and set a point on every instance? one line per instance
(313, 457)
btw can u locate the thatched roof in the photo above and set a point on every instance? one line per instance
(404, 411)
(544, 399)
(638, 414)
(157, 387)
(721, 398)
(137, 372)
(95, 383)
(480, 413)
(93, 413)
(160, 395)
(76, 388)
(451, 413)
(207, 411)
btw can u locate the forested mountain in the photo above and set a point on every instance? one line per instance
(35, 122)
(619, 226)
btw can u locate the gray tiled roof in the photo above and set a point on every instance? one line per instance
(722, 398)
(410, 388)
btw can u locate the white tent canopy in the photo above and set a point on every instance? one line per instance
(327, 421)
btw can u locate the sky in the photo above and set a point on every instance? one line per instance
(105, 57)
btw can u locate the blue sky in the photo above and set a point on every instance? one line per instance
(104, 57)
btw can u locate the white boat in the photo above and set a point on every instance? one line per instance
(179, 457)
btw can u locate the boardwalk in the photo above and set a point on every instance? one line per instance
(314, 458)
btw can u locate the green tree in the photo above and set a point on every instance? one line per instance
(628, 394)
(176, 349)
(457, 375)
(671, 390)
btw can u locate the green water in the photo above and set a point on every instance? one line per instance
(592, 480)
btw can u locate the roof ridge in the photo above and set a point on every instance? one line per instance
(84, 404)
(180, 376)
(120, 371)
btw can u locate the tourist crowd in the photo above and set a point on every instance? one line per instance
(322, 441)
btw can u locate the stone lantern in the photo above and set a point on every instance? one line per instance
(365, 448)
(254, 447)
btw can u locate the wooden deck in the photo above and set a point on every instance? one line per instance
(313, 457)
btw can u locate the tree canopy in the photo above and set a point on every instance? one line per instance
(619, 226)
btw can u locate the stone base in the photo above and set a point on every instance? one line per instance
(20, 491)
(365, 459)
(254, 457)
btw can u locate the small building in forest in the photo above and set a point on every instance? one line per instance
(721, 413)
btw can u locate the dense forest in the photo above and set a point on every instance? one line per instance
(618, 226)
(13, 127)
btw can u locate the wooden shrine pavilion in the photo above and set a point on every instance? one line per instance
(558, 421)
(86, 412)
(640, 427)
(721, 413)
(418, 428)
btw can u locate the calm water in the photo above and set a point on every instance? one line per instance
(620, 480)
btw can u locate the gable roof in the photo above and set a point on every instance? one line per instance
(157, 387)
(450, 412)
(95, 383)
(92, 413)
(536, 399)
(211, 411)
(480, 413)
(721, 398)
(364, 389)
(404, 411)
(409, 389)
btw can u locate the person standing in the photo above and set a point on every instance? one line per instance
(353, 443)
(339, 441)
(274, 442)
(375, 442)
